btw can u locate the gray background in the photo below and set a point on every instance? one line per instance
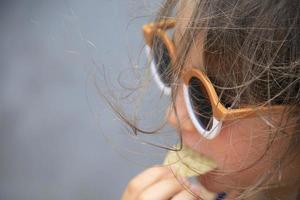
(58, 140)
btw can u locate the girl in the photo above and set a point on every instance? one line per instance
(232, 70)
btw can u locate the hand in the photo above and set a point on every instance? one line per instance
(158, 183)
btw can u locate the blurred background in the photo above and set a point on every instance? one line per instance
(58, 138)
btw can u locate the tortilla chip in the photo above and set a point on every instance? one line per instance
(188, 162)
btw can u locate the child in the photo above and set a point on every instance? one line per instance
(232, 69)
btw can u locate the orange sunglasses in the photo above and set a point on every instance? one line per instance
(204, 107)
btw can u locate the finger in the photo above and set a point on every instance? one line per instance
(145, 180)
(185, 195)
(162, 190)
(195, 192)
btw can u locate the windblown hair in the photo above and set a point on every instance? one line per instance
(251, 55)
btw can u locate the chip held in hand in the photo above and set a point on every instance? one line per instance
(189, 162)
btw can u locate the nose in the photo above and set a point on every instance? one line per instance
(177, 114)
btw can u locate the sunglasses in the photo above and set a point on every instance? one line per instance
(203, 104)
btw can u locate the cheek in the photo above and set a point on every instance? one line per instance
(243, 151)
(239, 145)
(242, 143)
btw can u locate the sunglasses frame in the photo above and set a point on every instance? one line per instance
(219, 111)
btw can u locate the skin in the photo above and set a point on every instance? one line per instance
(237, 147)
(158, 182)
(241, 150)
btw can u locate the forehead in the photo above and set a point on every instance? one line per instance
(184, 12)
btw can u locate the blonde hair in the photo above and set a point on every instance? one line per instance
(252, 56)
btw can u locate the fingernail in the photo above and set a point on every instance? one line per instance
(221, 196)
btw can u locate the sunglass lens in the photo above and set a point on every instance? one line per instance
(162, 61)
(200, 103)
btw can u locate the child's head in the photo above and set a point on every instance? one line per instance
(250, 52)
